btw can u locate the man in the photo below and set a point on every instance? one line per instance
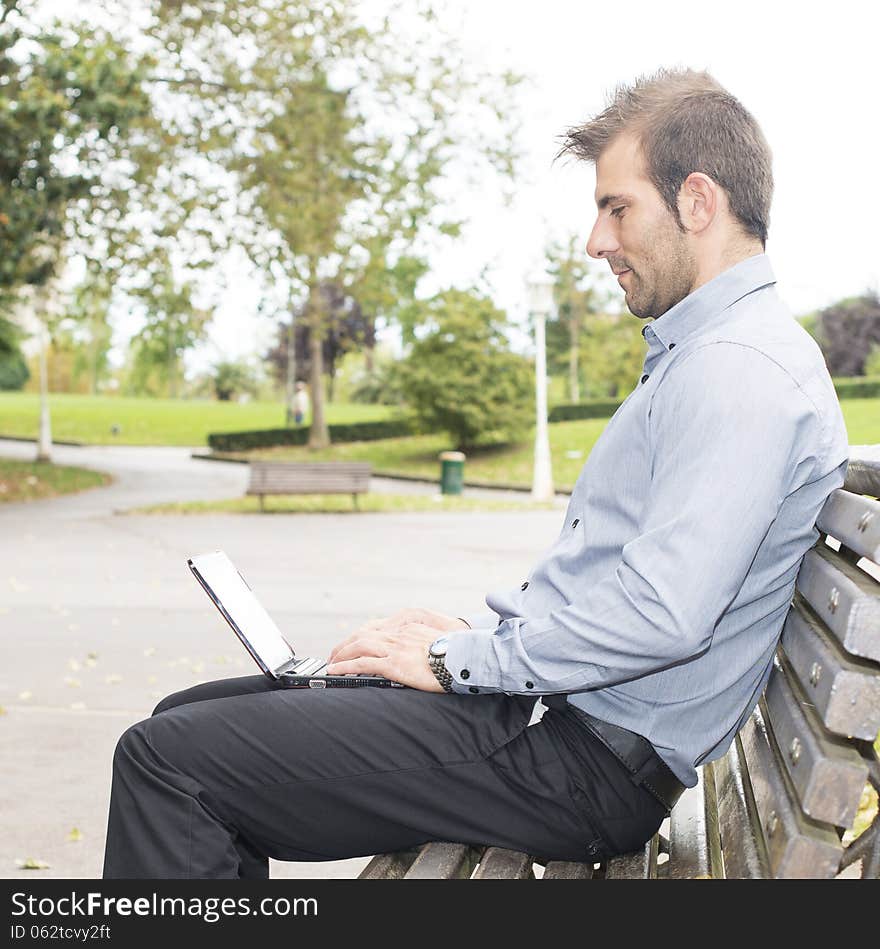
(649, 626)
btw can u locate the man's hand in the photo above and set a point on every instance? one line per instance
(395, 647)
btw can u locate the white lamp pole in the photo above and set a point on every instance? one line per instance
(540, 295)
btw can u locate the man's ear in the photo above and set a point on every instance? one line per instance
(699, 200)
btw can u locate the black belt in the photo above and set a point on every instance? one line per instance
(647, 769)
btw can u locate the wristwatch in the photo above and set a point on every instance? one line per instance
(437, 662)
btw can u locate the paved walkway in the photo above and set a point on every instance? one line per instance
(100, 618)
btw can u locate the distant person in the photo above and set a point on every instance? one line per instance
(648, 628)
(300, 403)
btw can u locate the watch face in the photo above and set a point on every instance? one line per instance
(438, 647)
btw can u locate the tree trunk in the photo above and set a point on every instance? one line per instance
(574, 388)
(319, 437)
(291, 370)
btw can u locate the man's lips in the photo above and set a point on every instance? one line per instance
(620, 274)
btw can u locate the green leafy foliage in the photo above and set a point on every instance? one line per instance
(462, 378)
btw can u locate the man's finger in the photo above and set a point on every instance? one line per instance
(361, 646)
(364, 665)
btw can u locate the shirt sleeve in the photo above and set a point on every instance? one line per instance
(731, 435)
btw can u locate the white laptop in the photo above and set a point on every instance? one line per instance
(261, 637)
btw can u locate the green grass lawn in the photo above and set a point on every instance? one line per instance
(342, 504)
(29, 480)
(570, 444)
(417, 456)
(89, 419)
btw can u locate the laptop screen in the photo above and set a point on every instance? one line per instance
(261, 635)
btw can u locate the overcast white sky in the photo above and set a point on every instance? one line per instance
(807, 71)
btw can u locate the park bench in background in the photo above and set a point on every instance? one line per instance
(309, 477)
(779, 803)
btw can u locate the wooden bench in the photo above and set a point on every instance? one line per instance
(309, 477)
(780, 802)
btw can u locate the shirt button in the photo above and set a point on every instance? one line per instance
(465, 673)
(524, 585)
(575, 522)
(672, 345)
(645, 377)
(530, 685)
(473, 689)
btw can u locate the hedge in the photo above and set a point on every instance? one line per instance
(857, 387)
(272, 437)
(592, 408)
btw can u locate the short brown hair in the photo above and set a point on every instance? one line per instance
(686, 121)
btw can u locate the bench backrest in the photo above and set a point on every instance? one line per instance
(309, 477)
(791, 784)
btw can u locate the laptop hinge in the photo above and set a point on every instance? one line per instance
(288, 666)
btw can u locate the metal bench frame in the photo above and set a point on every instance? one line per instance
(780, 802)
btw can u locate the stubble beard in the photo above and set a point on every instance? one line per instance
(666, 274)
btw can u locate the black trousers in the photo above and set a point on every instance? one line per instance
(229, 773)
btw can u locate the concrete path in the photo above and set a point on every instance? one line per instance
(100, 618)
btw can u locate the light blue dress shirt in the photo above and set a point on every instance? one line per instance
(660, 605)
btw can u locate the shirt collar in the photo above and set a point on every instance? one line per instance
(697, 309)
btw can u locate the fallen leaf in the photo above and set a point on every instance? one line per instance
(150, 651)
(31, 863)
(2, 710)
(75, 835)
(90, 663)
(24, 696)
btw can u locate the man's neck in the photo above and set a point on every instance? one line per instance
(714, 264)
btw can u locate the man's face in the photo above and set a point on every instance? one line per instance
(637, 234)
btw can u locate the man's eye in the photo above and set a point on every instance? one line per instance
(617, 212)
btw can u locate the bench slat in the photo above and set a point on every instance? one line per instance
(500, 864)
(845, 598)
(863, 470)
(567, 870)
(797, 846)
(828, 774)
(742, 844)
(694, 846)
(638, 865)
(845, 690)
(854, 520)
(444, 861)
(389, 866)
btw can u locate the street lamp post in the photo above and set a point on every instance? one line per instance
(540, 297)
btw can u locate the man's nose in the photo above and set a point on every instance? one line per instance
(602, 241)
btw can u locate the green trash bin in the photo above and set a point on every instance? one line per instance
(451, 472)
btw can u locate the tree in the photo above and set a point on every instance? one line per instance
(580, 295)
(612, 354)
(462, 378)
(847, 330)
(336, 133)
(13, 369)
(172, 325)
(232, 378)
(347, 329)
